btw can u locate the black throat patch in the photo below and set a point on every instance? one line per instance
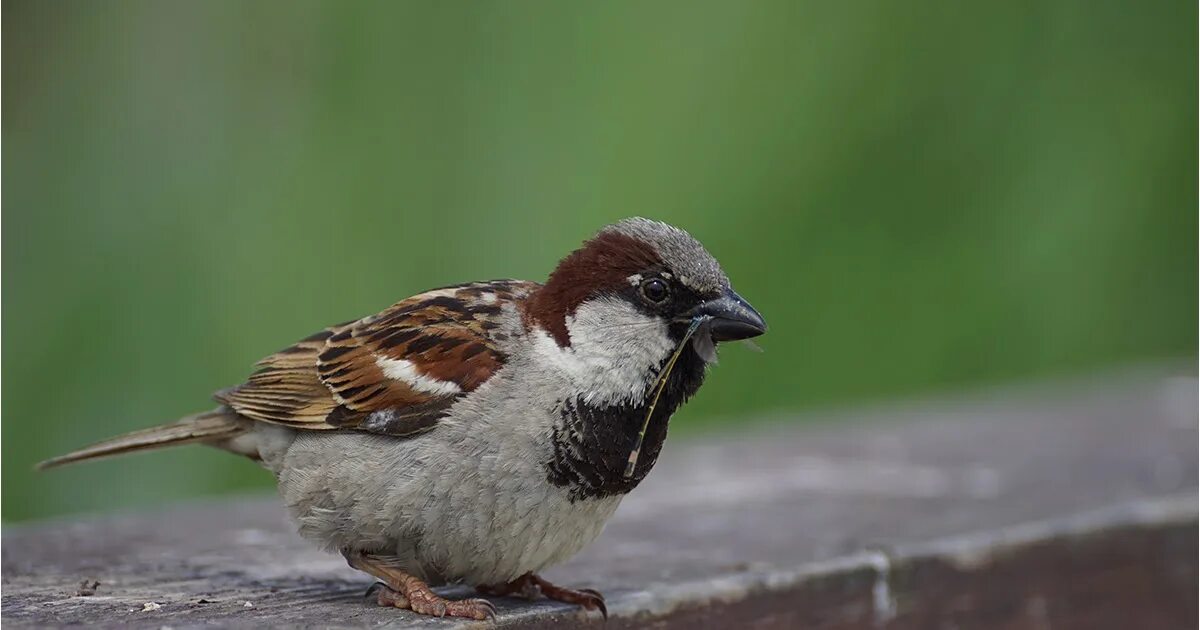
(592, 444)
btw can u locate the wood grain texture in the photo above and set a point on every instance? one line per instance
(1065, 505)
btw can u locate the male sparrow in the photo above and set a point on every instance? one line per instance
(480, 433)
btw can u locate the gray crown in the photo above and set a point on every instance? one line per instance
(683, 254)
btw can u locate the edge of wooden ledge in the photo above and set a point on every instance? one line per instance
(893, 587)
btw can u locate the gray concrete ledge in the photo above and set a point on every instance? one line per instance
(1062, 505)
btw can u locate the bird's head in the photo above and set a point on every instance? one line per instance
(638, 285)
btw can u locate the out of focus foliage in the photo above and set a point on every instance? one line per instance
(918, 196)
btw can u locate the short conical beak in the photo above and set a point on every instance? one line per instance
(732, 318)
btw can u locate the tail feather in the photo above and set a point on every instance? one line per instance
(202, 427)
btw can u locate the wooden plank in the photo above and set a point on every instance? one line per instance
(1070, 504)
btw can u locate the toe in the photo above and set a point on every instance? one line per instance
(386, 596)
(600, 605)
(593, 600)
(593, 592)
(479, 609)
(429, 606)
(486, 608)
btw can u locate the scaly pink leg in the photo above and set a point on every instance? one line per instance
(530, 585)
(401, 590)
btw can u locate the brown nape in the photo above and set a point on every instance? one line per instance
(604, 262)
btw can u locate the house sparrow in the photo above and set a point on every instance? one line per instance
(480, 433)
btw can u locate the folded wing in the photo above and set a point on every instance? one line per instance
(394, 373)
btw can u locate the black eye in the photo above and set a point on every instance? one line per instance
(655, 290)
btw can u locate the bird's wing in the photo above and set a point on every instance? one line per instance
(394, 373)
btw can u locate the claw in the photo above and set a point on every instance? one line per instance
(597, 603)
(593, 601)
(488, 607)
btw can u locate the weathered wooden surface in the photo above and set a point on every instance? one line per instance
(1068, 505)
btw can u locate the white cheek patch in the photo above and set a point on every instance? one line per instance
(635, 279)
(407, 373)
(614, 354)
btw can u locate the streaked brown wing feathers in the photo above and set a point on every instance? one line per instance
(393, 373)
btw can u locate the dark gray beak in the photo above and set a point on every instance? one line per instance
(732, 318)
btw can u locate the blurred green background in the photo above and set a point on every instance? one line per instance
(918, 196)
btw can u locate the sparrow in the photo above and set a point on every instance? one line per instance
(482, 432)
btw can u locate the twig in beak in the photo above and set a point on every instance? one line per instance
(662, 383)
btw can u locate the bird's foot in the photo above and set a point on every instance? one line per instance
(530, 585)
(401, 590)
(424, 601)
(385, 596)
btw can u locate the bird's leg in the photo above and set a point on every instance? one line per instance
(590, 599)
(401, 590)
(523, 586)
(529, 585)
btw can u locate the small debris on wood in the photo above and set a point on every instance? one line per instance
(247, 605)
(151, 606)
(87, 588)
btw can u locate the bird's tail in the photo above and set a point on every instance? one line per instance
(211, 426)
